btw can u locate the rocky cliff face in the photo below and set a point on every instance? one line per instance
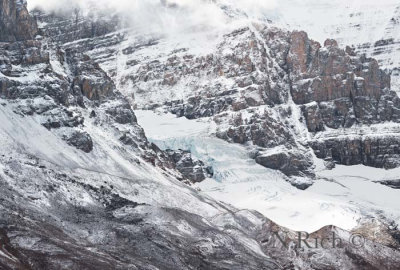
(367, 26)
(338, 89)
(15, 21)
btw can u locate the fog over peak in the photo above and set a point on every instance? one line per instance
(165, 15)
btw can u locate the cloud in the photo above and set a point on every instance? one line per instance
(163, 15)
(254, 8)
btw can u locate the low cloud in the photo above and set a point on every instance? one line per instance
(163, 15)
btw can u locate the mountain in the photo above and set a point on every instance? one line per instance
(279, 91)
(85, 187)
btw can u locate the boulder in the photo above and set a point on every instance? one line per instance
(291, 163)
(123, 114)
(192, 169)
(81, 140)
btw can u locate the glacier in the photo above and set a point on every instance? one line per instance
(343, 196)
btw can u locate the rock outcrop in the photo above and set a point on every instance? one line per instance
(190, 168)
(292, 163)
(80, 140)
(72, 25)
(376, 151)
(16, 24)
(352, 27)
(338, 89)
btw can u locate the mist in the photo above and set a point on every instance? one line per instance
(166, 16)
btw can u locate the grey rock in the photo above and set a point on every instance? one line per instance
(122, 114)
(81, 140)
(192, 169)
(380, 152)
(290, 163)
(16, 24)
(395, 184)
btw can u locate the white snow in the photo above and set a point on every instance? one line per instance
(357, 183)
(27, 75)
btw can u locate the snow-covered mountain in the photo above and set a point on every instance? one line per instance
(124, 146)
